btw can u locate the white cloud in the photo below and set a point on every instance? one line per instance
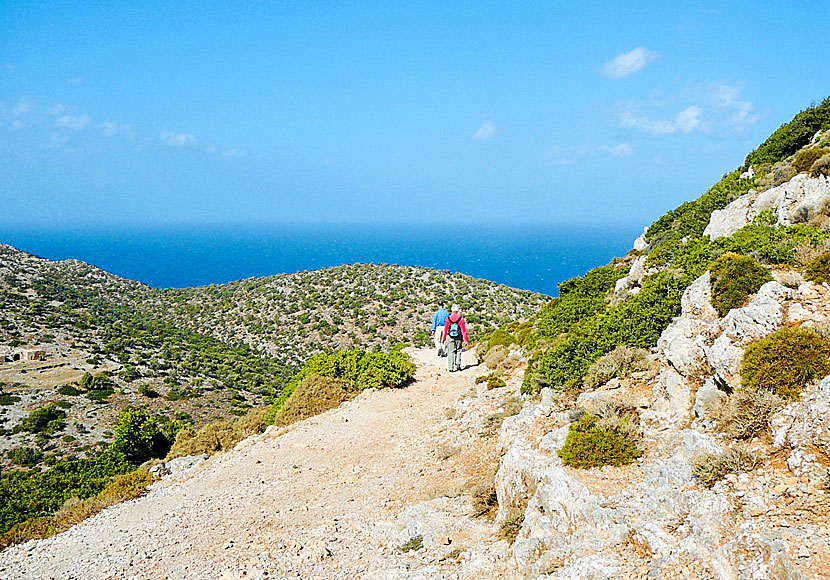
(22, 108)
(629, 62)
(232, 153)
(740, 113)
(74, 81)
(178, 139)
(111, 129)
(558, 155)
(487, 131)
(75, 123)
(685, 121)
(56, 140)
(618, 150)
(56, 109)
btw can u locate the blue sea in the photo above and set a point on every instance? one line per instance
(528, 257)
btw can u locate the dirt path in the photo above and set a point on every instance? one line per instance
(335, 496)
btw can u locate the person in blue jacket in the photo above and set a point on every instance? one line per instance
(438, 320)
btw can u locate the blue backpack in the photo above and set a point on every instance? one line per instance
(455, 328)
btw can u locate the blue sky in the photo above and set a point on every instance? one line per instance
(547, 112)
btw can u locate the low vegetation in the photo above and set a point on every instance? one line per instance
(785, 361)
(594, 441)
(745, 413)
(818, 269)
(620, 362)
(734, 278)
(792, 136)
(711, 468)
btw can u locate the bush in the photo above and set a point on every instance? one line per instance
(805, 159)
(821, 166)
(710, 468)
(785, 361)
(98, 387)
(500, 338)
(493, 381)
(25, 456)
(314, 395)
(48, 419)
(139, 436)
(734, 278)
(620, 362)
(68, 391)
(818, 270)
(745, 414)
(590, 443)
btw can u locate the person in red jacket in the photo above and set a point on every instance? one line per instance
(455, 331)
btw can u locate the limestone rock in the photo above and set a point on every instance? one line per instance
(805, 423)
(796, 201)
(640, 243)
(697, 299)
(625, 285)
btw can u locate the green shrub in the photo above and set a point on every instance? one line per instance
(511, 527)
(494, 382)
(734, 278)
(591, 444)
(139, 436)
(147, 391)
(25, 456)
(818, 270)
(638, 321)
(785, 361)
(68, 391)
(357, 367)
(7, 399)
(98, 387)
(620, 362)
(48, 419)
(792, 136)
(805, 159)
(414, 544)
(500, 338)
(710, 468)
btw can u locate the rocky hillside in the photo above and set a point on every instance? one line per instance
(97, 343)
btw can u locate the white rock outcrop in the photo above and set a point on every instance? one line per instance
(796, 201)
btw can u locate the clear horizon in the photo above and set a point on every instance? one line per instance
(180, 112)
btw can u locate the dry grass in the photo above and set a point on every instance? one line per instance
(314, 395)
(219, 436)
(485, 500)
(713, 467)
(745, 413)
(620, 362)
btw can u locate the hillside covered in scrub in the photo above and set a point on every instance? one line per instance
(99, 343)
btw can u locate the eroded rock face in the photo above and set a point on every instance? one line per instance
(577, 527)
(803, 426)
(801, 198)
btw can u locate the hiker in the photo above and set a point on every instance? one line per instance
(455, 330)
(438, 320)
